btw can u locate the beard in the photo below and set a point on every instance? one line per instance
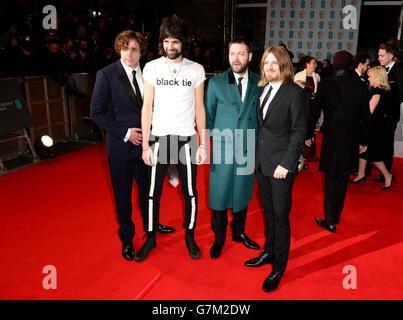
(272, 76)
(173, 55)
(241, 68)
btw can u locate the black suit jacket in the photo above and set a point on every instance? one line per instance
(395, 77)
(281, 133)
(115, 109)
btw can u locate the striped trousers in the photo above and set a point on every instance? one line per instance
(180, 151)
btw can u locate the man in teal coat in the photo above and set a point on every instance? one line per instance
(231, 117)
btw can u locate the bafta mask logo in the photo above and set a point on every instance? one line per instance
(331, 24)
(322, 14)
(318, 55)
(311, 24)
(320, 35)
(282, 14)
(272, 23)
(329, 45)
(350, 46)
(301, 14)
(292, 4)
(290, 44)
(340, 35)
(271, 43)
(332, 4)
(281, 34)
(291, 24)
(312, 4)
(273, 3)
(309, 44)
(300, 34)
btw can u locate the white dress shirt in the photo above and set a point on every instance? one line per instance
(275, 86)
(244, 83)
(139, 78)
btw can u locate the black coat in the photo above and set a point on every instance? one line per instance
(345, 103)
(395, 77)
(281, 134)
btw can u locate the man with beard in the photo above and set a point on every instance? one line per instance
(282, 127)
(231, 118)
(173, 100)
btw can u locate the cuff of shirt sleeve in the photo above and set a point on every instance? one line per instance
(127, 135)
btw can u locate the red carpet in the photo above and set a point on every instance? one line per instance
(61, 213)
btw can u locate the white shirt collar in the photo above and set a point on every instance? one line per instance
(129, 70)
(237, 76)
(390, 66)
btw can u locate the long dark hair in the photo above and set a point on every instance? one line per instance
(177, 28)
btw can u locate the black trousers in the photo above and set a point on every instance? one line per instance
(219, 223)
(180, 151)
(123, 171)
(335, 193)
(277, 198)
(391, 126)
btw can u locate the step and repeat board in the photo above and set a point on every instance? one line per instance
(317, 28)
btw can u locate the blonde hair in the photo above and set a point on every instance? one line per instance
(284, 62)
(382, 76)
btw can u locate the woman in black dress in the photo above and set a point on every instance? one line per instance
(378, 80)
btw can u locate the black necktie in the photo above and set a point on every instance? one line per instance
(240, 86)
(387, 69)
(265, 100)
(136, 86)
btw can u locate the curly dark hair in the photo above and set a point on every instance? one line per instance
(123, 38)
(177, 28)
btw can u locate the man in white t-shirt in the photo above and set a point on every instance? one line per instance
(173, 105)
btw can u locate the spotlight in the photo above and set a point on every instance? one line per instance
(44, 147)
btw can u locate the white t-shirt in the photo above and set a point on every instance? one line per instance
(174, 95)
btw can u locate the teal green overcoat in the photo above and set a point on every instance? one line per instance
(233, 132)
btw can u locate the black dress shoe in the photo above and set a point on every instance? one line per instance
(194, 250)
(323, 224)
(246, 241)
(128, 251)
(151, 243)
(389, 186)
(272, 281)
(164, 229)
(216, 249)
(264, 258)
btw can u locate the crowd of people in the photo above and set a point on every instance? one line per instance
(81, 43)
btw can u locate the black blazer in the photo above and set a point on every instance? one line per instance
(115, 109)
(395, 77)
(281, 133)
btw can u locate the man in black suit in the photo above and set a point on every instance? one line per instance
(344, 100)
(386, 58)
(361, 65)
(281, 133)
(116, 107)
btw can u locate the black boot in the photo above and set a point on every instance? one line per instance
(151, 243)
(194, 250)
